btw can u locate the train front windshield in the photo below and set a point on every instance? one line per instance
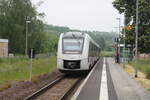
(71, 45)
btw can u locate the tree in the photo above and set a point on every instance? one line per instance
(104, 39)
(13, 17)
(144, 21)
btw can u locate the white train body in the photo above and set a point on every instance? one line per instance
(76, 52)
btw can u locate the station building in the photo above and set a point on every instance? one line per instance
(3, 48)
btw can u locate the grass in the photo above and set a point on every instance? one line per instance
(144, 66)
(107, 53)
(141, 76)
(148, 89)
(17, 69)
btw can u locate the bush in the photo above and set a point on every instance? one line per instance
(17, 69)
(147, 72)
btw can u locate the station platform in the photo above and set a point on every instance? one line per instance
(107, 81)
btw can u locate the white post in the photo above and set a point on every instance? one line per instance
(31, 64)
(26, 49)
(124, 39)
(26, 39)
(124, 31)
(119, 38)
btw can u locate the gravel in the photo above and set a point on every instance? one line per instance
(58, 90)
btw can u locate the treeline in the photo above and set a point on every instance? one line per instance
(143, 22)
(104, 39)
(56, 29)
(13, 17)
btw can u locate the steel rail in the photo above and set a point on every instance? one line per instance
(70, 90)
(44, 89)
(53, 83)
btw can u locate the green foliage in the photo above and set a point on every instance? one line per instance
(143, 65)
(43, 38)
(148, 89)
(147, 73)
(15, 69)
(13, 17)
(50, 43)
(104, 39)
(58, 29)
(144, 22)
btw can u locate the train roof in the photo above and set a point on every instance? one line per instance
(72, 34)
(79, 34)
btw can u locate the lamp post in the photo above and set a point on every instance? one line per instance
(123, 8)
(116, 40)
(119, 40)
(124, 49)
(136, 38)
(26, 49)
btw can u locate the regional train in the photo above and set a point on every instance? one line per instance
(76, 52)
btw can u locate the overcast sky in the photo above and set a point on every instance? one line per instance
(80, 14)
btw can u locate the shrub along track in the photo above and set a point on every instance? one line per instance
(59, 89)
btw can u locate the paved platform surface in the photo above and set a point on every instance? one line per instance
(125, 87)
(92, 87)
(108, 79)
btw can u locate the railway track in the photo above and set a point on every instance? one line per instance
(59, 89)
